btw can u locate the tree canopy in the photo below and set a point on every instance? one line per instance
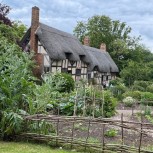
(127, 51)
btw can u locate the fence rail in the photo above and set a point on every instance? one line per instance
(68, 129)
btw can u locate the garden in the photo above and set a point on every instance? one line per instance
(78, 116)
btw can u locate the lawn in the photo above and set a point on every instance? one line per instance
(21, 147)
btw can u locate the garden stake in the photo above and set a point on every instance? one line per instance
(75, 104)
(72, 133)
(140, 135)
(122, 128)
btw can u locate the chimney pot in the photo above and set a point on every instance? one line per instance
(86, 41)
(103, 47)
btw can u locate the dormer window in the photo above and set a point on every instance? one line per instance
(67, 55)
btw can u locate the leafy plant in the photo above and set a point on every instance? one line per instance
(128, 101)
(41, 127)
(11, 124)
(111, 133)
(147, 110)
(134, 94)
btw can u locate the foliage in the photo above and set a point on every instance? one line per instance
(134, 94)
(16, 81)
(128, 101)
(14, 33)
(147, 110)
(147, 96)
(41, 127)
(68, 82)
(118, 88)
(4, 11)
(127, 52)
(109, 104)
(135, 71)
(111, 133)
(150, 88)
(10, 123)
(101, 29)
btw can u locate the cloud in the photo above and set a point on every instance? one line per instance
(64, 14)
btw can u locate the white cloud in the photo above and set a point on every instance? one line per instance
(64, 14)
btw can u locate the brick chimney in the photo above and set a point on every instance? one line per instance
(38, 57)
(86, 41)
(34, 26)
(103, 47)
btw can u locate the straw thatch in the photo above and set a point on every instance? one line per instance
(58, 44)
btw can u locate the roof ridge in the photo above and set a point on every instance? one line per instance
(65, 34)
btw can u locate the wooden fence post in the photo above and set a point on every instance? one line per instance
(94, 104)
(72, 132)
(75, 104)
(102, 113)
(140, 135)
(57, 131)
(84, 99)
(103, 137)
(88, 133)
(122, 128)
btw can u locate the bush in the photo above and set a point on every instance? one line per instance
(147, 110)
(117, 87)
(147, 96)
(134, 94)
(68, 84)
(109, 104)
(128, 101)
(141, 85)
(149, 88)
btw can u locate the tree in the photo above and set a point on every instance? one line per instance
(102, 29)
(4, 11)
(111, 32)
(126, 51)
(135, 71)
(12, 31)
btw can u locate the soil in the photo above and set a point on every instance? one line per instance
(131, 137)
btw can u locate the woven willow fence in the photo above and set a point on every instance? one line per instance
(78, 131)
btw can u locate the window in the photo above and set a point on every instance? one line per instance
(64, 70)
(46, 69)
(89, 75)
(72, 63)
(69, 71)
(78, 72)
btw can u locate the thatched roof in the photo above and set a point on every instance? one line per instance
(101, 60)
(59, 44)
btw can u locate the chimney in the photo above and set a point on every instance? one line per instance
(34, 26)
(86, 41)
(103, 47)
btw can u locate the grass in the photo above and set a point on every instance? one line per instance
(21, 147)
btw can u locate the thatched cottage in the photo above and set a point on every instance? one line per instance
(56, 50)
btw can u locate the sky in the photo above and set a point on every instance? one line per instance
(64, 14)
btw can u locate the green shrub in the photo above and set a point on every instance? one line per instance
(147, 110)
(68, 84)
(150, 88)
(111, 133)
(134, 94)
(117, 87)
(109, 104)
(142, 84)
(147, 96)
(11, 124)
(128, 101)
